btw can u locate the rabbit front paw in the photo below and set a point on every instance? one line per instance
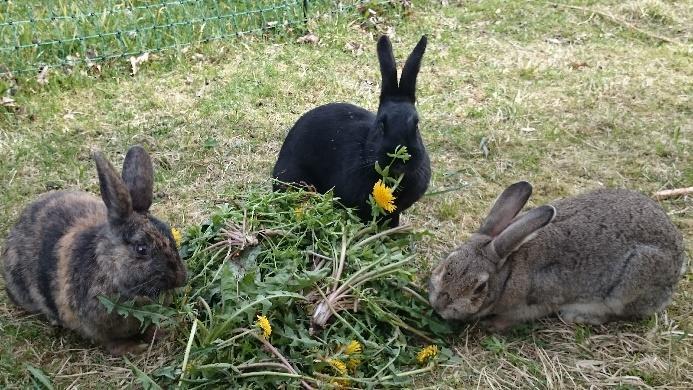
(498, 324)
(123, 347)
(593, 314)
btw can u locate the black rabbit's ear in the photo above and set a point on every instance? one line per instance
(113, 191)
(506, 207)
(138, 175)
(522, 230)
(388, 68)
(407, 83)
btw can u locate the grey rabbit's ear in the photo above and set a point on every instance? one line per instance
(388, 68)
(522, 230)
(506, 207)
(113, 191)
(407, 83)
(138, 175)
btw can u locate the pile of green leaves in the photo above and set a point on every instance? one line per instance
(284, 256)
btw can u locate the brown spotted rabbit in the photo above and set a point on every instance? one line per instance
(609, 254)
(68, 248)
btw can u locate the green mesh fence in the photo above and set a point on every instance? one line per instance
(38, 33)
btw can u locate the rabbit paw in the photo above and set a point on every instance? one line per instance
(122, 347)
(582, 318)
(584, 314)
(497, 324)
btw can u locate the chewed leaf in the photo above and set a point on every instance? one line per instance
(378, 168)
(150, 314)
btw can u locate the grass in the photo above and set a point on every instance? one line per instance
(563, 98)
(66, 33)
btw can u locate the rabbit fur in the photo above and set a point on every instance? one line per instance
(608, 254)
(68, 248)
(335, 146)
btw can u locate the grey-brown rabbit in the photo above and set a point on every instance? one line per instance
(608, 254)
(68, 248)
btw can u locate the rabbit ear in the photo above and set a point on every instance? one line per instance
(407, 83)
(138, 176)
(388, 69)
(522, 230)
(506, 207)
(113, 191)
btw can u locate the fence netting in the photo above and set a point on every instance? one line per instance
(39, 33)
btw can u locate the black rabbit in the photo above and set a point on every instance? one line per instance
(337, 145)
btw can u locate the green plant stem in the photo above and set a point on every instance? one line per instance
(203, 272)
(342, 258)
(408, 373)
(318, 255)
(363, 231)
(376, 236)
(228, 342)
(398, 322)
(415, 294)
(303, 378)
(187, 352)
(346, 285)
(374, 380)
(215, 365)
(281, 357)
(341, 319)
(394, 267)
(389, 363)
(246, 366)
(353, 282)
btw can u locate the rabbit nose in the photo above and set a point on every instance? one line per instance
(438, 300)
(433, 294)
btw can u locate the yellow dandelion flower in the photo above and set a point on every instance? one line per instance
(263, 323)
(383, 196)
(353, 364)
(352, 348)
(427, 353)
(177, 236)
(338, 365)
(298, 212)
(341, 383)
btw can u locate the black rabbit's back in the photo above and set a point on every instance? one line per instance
(330, 147)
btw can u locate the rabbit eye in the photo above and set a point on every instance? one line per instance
(479, 288)
(141, 249)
